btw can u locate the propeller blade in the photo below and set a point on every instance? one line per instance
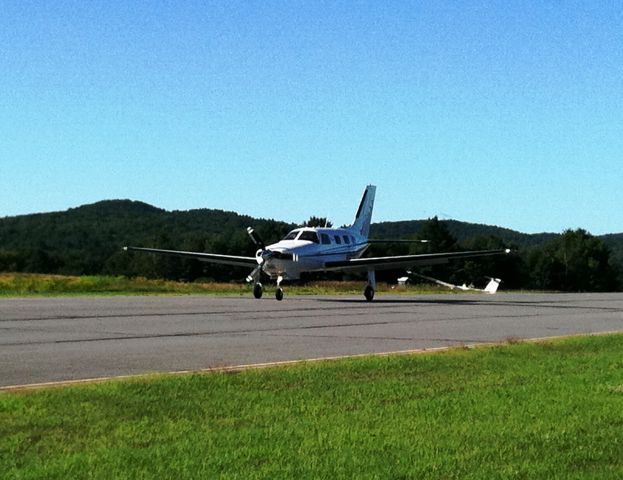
(256, 238)
(254, 275)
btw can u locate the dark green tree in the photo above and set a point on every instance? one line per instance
(438, 239)
(314, 221)
(12, 261)
(576, 261)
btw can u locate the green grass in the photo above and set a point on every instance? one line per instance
(25, 284)
(549, 410)
(29, 284)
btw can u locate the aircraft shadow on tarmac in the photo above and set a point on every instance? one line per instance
(562, 303)
(402, 301)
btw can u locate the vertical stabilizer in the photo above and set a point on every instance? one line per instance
(492, 286)
(364, 213)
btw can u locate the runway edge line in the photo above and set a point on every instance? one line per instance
(286, 363)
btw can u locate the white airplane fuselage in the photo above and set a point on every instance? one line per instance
(308, 249)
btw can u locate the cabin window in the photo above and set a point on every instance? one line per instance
(309, 236)
(352, 239)
(346, 239)
(292, 235)
(326, 240)
(338, 240)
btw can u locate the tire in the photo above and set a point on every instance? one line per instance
(369, 293)
(258, 290)
(279, 294)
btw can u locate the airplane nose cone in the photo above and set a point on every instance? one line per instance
(262, 255)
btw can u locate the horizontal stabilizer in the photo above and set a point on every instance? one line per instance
(491, 288)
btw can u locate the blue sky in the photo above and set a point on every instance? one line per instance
(506, 113)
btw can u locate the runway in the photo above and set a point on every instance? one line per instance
(59, 339)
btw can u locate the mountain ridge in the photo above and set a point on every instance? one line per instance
(87, 240)
(395, 228)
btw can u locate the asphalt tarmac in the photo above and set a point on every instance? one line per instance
(59, 339)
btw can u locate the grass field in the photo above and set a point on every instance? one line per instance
(25, 284)
(549, 410)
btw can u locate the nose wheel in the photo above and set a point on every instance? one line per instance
(279, 291)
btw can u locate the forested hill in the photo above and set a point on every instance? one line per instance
(88, 240)
(461, 231)
(110, 224)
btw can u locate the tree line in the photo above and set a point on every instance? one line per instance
(88, 240)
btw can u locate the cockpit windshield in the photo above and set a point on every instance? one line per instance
(308, 235)
(292, 235)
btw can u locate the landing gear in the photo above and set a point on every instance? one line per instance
(369, 291)
(279, 291)
(258, 289)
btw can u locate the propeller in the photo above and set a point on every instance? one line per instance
(255, 274)
(256, 238)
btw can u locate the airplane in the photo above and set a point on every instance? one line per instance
(322, 249)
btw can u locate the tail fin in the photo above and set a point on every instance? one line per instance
(364, 212)
(492, 286)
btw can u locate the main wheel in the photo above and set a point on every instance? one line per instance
(279, 293)
(258, 290)
(369, 293)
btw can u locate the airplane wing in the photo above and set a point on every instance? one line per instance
(406, 261)
(204, 257)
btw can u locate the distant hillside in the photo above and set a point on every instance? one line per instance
(82, 240)
(614, 241)
(117, 221)
(88, 240)
(110, 224)
(461, 231)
